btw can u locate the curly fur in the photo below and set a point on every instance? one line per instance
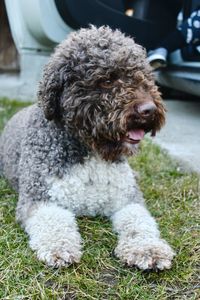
(93, 82)
(66, 155)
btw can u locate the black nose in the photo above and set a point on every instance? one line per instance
(146, 109)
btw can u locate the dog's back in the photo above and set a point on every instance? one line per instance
(10, 144)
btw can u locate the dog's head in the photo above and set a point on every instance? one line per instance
(99, 84)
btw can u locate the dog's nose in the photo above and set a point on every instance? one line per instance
(146, 109)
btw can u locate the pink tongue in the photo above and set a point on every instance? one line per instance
(136, 134)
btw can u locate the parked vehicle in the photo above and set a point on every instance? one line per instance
(149, 22)
(37, 26)
(183, 71)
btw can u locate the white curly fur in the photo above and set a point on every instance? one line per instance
(98, 188)
(94, 190)
(139, 239)
(54, 235)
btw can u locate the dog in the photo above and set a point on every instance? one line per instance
(66, 156)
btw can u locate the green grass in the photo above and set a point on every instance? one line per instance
(172, 197)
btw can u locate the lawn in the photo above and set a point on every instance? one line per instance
(173, 199)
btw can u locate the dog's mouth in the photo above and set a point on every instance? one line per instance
(134, 136)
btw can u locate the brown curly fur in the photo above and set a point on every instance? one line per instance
(94, 83)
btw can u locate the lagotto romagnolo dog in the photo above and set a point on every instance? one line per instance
(67, 154)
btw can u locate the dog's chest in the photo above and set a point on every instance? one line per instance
(95, 187)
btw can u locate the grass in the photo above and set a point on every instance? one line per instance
(172, 197)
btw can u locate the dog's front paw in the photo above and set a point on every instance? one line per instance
(54, 235)
(57, 249)
(145, 253)
(59, 256)
(57, 253)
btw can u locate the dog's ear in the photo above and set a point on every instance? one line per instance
(49, 91)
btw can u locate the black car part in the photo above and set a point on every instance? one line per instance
(151, 20)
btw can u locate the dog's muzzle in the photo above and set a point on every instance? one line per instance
(146, 109)
(142, 118)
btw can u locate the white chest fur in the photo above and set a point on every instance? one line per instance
(95, 187)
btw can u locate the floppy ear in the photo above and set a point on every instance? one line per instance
(49, 92)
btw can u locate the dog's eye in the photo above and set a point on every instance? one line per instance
(106, 84)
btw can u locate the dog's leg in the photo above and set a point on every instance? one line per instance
(139, 239)
(54, 235)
